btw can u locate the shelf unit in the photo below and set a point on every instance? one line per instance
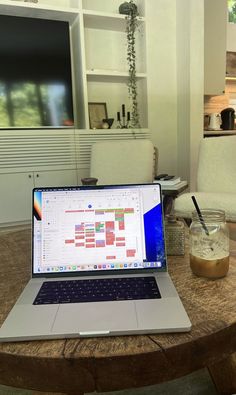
(106, 69)
(42, 10)
(61, 157)
(98, 40)
(106, 20)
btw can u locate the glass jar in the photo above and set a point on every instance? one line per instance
(209, 244)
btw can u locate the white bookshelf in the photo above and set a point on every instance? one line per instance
(98, 39)
(112, 74)
(42, 10)
(106, 20)
(106, 74)
(100, 73)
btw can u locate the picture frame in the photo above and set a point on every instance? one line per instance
(97, 112)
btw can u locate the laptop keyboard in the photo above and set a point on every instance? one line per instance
(97, 290)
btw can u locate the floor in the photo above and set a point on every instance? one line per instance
(198, 383)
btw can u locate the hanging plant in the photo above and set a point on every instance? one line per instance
(131, 12)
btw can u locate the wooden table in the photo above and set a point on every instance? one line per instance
(170, 193)
(103, 364)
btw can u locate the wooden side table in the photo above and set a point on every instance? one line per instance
(170, 193)
(77, 366)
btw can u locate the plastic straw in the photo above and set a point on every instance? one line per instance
(200, 215)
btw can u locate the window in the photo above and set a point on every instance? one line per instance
(232, 10)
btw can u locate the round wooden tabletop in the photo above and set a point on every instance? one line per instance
(76, 366)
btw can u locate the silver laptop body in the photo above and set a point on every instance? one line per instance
(96, 233)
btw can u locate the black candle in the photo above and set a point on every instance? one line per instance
(118, 116)
(128, 116)
(123, 110)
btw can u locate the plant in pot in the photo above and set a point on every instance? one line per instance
(129, 8)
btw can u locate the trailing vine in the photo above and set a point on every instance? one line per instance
(130, 9)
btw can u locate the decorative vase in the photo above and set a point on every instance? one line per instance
(107, 123)
(128, 8)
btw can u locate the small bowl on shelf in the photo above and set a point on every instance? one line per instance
(107, 123)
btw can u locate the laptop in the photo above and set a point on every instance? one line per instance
(98, 266)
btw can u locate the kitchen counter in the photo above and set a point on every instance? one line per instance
(220, 132)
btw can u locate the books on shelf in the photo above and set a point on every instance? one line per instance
(175, 187)
(168, 181)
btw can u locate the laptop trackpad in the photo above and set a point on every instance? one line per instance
(95, 317)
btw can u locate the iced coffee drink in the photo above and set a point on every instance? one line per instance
(211, 268)
(209, 244)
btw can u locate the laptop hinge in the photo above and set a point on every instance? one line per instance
(94, 333)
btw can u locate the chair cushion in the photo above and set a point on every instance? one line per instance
(183, 205)
(122, 161)
(217, 165)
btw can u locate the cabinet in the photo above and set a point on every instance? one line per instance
(31, 159)
(15, 197)
(215, 27)
(16, 191)
(42, 158)
(98, 42)
(55, 178)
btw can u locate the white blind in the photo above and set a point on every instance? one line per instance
(32, 150)
(36, 149)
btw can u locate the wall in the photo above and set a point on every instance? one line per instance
(175, 38)
(183, 83)
(190, 82)
(162, 88)
(196, 89)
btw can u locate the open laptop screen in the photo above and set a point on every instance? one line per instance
(100, 228)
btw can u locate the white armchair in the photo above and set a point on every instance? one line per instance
(123, 161)
(216, 179)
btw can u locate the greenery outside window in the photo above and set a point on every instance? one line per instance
(232, 11)
(29, 104)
